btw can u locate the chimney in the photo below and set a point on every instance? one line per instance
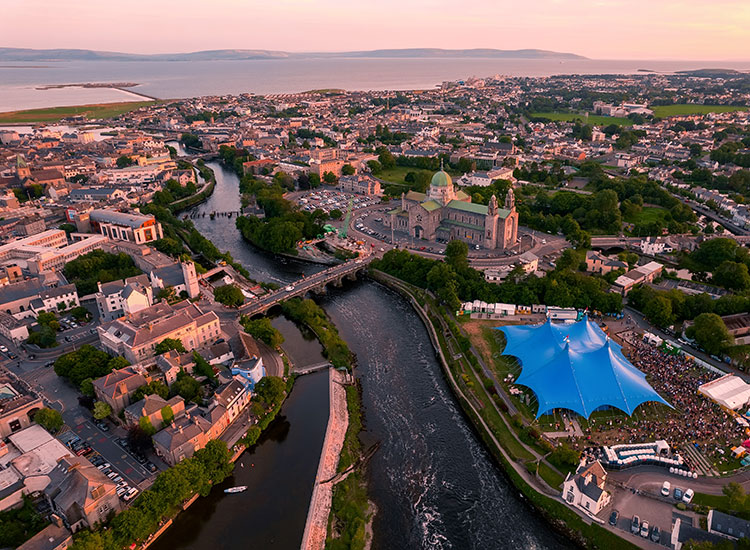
(56, 520)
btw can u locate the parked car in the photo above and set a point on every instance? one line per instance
(677, 493)
(102, 426)
(103, 466)
(665, 488)
(121, 491)
(655, 534)
(112, 475)
(151, 467)
(644, 529)
(12, 355)
(131, 494)
(49, 364)
(613, 517)
(635, 525)
(3, 349)
(687, 498)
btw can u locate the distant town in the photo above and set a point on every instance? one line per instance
(138, 358)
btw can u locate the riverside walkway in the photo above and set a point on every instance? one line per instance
(316, 526)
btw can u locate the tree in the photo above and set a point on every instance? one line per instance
(659, 311)
(347, 170)
(336, 214)
(456, 254)
(144, 423)
(167, 415)
(229, 295)
(186, 387)
(138, 438)
(101, 410)
(47, 319)
(270, 389)
(329, 178)
(263, 330)
(710, 332)
(314, 181)
(80, 313)
(169, 344)
(154, 387)
(386, 158)
(49, 419)
(124, 161)
(732, 276)
(203, 367)
(87, 362)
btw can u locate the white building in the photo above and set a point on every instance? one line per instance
(586, 488)
(119, 298)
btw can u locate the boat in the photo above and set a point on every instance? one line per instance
(233, 490)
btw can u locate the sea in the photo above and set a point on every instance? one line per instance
(20, 82)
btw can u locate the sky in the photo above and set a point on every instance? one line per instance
(600, 29)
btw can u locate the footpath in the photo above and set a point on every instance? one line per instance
(316, 526)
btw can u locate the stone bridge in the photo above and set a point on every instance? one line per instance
(316, 283)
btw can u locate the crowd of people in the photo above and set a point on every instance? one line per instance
(695, 420)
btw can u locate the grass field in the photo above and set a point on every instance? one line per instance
(647, 214)
(398, 173)
(596, 120)
(690, 109)
(53, 114)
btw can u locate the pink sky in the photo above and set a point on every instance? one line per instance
(602, 29)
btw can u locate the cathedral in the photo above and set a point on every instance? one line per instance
(444, 214)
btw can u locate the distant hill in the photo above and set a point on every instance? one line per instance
(711, 72)
(27, 54)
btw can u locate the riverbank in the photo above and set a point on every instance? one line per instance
(519, 461)
(316, 526)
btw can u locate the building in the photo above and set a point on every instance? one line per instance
(30, 225)
(117, 387)
(360, 184)
(729, 391)
(153, 407)
(181, 276)
(586, 488)
(654, 245)
(641, 274)
(444, 214)
(17, 406)
(249, 366)
(738, 326)
(729, 527)
(81, 494)
(596, 262)
(119, 298)
(52, 537)
(135, 337)
(181, 439)
(47, 251)
(12, 329)
(96, 194)
(119, 226)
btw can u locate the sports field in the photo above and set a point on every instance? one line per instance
(680, 109)
(594, 120)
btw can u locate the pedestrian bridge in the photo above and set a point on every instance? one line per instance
(316, 283)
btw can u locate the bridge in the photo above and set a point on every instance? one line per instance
(309, 369)
(316, 283)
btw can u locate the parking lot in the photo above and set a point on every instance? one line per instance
(328, 200)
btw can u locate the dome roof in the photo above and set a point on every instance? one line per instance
(441, 179)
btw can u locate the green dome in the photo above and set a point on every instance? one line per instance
(441, 179)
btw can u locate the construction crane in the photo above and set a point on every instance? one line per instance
(344, 231)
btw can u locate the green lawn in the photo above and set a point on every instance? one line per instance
(549, 475)
(647, 214)
(596, 120)
(717, 502)
(693, 109)
(398, 173)
(53, 114)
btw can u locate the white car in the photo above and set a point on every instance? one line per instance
(289, 288)
(130, 495)
(3, 349)
(665, 488)
(687, 498)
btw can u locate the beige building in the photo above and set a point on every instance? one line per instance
(120, 226)
(17, 406)
(135, 336)
(596, 262)
(116, 387)
(154, 408)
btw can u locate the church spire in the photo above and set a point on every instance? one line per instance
(510, 200)
(492, 208)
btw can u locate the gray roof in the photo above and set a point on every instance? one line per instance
(171, 275)
(93, 192)
(119, 218)
(731, 526)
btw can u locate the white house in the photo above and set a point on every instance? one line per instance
(585, 489)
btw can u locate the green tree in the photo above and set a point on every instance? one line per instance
(145, 424)
(710, 332)
(186, 387)
(732, 275)
(49, 419)
(386, 158)
(80, 313)
(456, 254)
(263, 330)
(203, 367)
(314, 181)
(336, 214)
(347, 170)
(154, 387)
(167, 415)
(229, 295)
(87, 362)
(329, 178)
(271, 389)
(87, 387)
(124, 161)
(101, 410)
(169, 344)
(659, 311)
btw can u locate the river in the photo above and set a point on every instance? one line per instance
(432, 481)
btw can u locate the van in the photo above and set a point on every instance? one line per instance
(665, 488)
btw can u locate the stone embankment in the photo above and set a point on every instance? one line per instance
(316, 526)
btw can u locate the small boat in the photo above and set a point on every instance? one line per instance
(233, 490)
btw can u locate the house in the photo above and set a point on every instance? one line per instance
(181, 439)
(118, 298)
(596, 262)
(360, 184)
(117, 387)
(53, 537)
(233, 396)
(249, 366)
(586, 488)
(654, 245)
(17, 406)
(641, 274)
(181, 277)
(729, 527)
(153, 408)
(80, 493)
(12, 329)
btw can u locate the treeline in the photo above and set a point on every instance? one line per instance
(99, 266)
(207, 467)
(454, 281)
(173, 191)
(725, 259)
(307, 312)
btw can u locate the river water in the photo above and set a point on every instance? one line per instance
(433, 483)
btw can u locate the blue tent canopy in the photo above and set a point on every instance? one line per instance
(576, 366)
